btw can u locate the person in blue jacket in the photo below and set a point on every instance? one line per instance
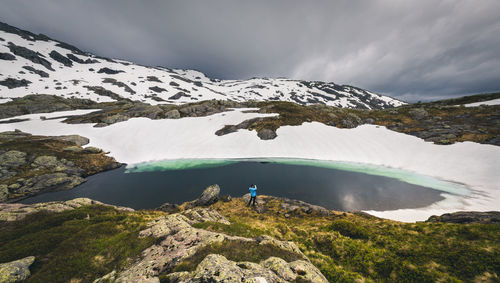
(253, 194)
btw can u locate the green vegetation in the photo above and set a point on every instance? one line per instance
(234, 229)
(79, 245)
(349, 246)
(91, 241)
(237, 250)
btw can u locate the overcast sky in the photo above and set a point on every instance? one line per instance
(412, 50)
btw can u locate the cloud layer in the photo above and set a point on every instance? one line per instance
(413, 50)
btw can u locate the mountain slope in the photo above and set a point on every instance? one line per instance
(36, 64)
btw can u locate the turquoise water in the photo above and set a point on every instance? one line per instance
(338, 186)
(398, 174)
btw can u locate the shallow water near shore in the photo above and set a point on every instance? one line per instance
(337, 186)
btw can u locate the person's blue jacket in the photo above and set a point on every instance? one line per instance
(253, 191)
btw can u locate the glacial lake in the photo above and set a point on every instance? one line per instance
(338, 187)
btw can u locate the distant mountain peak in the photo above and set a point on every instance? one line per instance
(37, 64)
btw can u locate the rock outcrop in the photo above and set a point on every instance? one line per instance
(287, 207)
(16, 271)
(217, 268)
(18, 211)
(463, 217)
(33, 164)
(209, 196)
(179, 240)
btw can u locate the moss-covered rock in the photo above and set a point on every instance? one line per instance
(217, 268)
(12, 158)
(16, 271)
(33, 164)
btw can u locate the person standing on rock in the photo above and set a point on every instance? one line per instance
(253, 194)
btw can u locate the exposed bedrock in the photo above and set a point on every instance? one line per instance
(30, 165)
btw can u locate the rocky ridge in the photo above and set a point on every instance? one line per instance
(17, 211)
(36, 64)
(33, 164)
(180, 241)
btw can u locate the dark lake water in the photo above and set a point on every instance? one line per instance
(331, 188)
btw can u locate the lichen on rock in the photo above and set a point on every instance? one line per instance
(16, 271)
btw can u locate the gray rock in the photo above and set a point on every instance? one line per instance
(461, 217)
(12, 158)
(78, 140)
(209, 196)
(45, 161)
(16, 271)
(217, 268)
(60, 58)
(173, 114)
(351, 121)
(29, 54)
(369, 121)
(266, 134)
(7, 56)
(14, 83)
(109, 71)
(36, 71)
(157, 89)
(418, 113)
(115, 119)
(169, 207)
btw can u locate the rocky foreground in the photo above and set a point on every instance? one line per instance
(220, 239)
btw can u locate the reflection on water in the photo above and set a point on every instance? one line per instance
(331, 188)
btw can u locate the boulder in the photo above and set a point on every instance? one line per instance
(209, 196)
(12, 158)
(16, 271)
(173, 114)
(45, 161)
(351, 121)
(418, 113)
(266, 134)
(78, 140)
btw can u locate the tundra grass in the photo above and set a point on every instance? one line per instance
(77, 245)
(355, 246)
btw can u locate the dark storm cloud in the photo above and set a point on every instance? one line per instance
(408, 49)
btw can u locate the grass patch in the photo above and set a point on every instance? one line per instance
(80, 244)
(233, 229)
(347, 247)
(236, 250)
(349, 229)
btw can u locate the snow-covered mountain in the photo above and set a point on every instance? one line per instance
(36, 64)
